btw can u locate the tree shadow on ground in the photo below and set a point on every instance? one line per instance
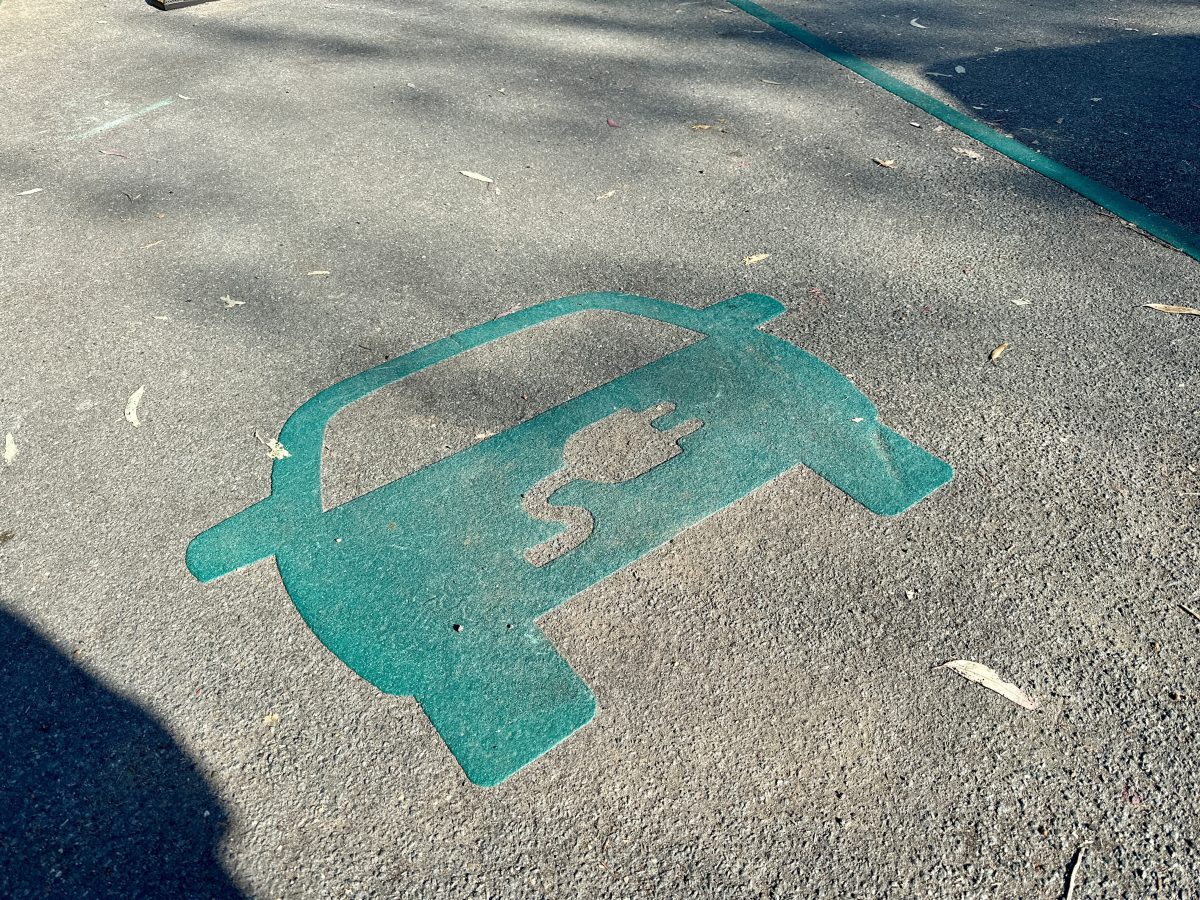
(1125, 112)
(97, 801)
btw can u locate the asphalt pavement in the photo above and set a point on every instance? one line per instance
(232, 207)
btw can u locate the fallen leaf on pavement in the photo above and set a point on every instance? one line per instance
(1177, 310)
(755, 259)
(886, 163)
(271, 719)
(961, 70)
(1076, 865)
(612, 124)
(10, 449)
(969, 154)
(230, 303)
(981, 674)
(131, 406)
(998, 352)
(275, 450)
(477, 177)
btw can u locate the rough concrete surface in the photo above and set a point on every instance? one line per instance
(771, 723)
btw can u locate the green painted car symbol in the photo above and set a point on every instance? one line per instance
(431, 586)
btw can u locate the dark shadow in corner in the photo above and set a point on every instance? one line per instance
(96, 798)
(1141, 133)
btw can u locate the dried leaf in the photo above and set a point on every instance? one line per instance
(969, 154)
(998, 352)
(230, 303)
(477, 177)
(960, 70)
(10, 449)
(700, 126)
(606, 195)
(612, 124)
(275, 450)
(1177, 310)
(131, 406)
(886, 163)
(271, 719)
(755, 259)
(30, 191)
(320, 272)
(981, 674)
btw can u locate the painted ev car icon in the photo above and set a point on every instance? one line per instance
(431, 586)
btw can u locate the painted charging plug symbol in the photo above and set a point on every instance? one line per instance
(431, 586)
(618, 448)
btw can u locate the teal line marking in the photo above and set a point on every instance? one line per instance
(123, 119)
(423, 586)
(1123, 207)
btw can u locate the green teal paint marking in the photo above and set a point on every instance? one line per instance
(423, 587)
(1130, 210)
(122, 120)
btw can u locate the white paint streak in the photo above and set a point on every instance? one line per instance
(123, 119)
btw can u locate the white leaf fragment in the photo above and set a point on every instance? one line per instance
(981, 674)
(275, 450)
(10, 449)
(131, 407)
(477, 177)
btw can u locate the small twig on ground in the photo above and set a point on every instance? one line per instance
(1075, 866)
(1150, 237)
(1191, 612)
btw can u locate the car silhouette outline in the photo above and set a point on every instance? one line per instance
(422, 586)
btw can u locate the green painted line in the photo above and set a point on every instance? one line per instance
(429, 586)
(99, 129)
(1121, 206)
